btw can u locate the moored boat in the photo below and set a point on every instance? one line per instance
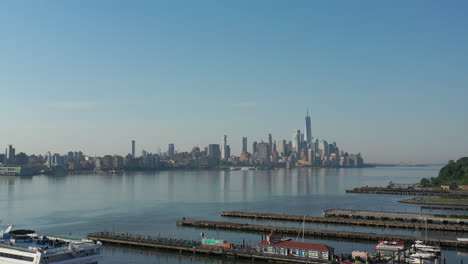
(25, 246)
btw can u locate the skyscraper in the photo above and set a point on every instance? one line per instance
(171, 150)
(10, 154)
(296, 142)
(254, 147)
(308, 129)
(133, 148)
(244, 145)
(213, 151)
(224, 154)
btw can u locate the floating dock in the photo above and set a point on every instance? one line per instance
(195, 247)
(406, 191)
(353, 214)
(318, 233)
(347, 221)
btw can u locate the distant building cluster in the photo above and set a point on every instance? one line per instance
(301, 150)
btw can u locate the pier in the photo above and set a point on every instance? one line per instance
(318, 233)
(406, 191)
(353, 214)
(445, 207)
(195, 247)
(340, 220)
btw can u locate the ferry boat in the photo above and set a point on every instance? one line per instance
(25, 246)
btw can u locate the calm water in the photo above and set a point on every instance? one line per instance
(152, 202)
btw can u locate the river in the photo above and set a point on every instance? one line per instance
(152, 202)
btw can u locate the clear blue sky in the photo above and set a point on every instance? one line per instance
(388, 79)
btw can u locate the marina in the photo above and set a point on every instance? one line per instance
(342, 219)
(319, 233)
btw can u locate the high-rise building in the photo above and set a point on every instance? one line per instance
(282, 148)
(244, 145)
(214, 151)
(224, 148)
(254, 147)
(10, 154)
(296, 142)
(308, 129)
(133, 148)
(171, 150)
(263, 151)
(324, 148)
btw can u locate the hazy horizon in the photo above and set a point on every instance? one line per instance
(388, 80)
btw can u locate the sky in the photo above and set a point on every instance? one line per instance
(388, 79)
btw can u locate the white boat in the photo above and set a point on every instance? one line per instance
(420, 246)
(462, 239)
(424, 255)
(25, 246)
(416, 261)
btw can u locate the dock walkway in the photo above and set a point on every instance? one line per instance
(355, 214)
(340, 220)
(407, 191)
(195, 247)
(318, 233)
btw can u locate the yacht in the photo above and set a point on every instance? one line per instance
(25, 246)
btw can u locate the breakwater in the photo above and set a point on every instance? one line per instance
(340, 220)
(318, 233)
(195, 247)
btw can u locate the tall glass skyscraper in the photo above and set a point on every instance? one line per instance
(308, 129)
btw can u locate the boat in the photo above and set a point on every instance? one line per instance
(424, 255)
(462, 239)
(390, 246)
(420, 246)
(416, 261)
(25, 246)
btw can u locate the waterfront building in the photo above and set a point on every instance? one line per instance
(274, 244)
(171, 150)
(15, 171)
(244, 145)
(224, 155)
(214, 151)
(133, 148)
(10, 154)
(308, 129)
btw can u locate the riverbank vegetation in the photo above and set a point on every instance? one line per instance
(455, 172)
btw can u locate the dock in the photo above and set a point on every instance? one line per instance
(195, 247)
(318, 233)
(354, 214)
(406, 191)
(445, 207)
(340, 220)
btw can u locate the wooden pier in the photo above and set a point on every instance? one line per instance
(355, 214)
(318, 233)
(406, 191)
(347, 221)
(195, 247)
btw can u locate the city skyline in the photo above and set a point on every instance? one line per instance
(74, 76)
